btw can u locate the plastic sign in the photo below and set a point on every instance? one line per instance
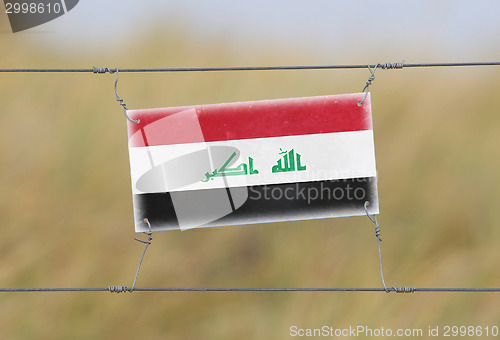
(252, 162)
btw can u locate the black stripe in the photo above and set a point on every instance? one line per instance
(265, 203)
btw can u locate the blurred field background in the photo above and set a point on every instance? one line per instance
(66, 207)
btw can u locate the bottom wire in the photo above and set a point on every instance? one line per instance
(172, 289)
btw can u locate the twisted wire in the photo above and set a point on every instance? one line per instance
(117, 289)
(147, 242)
(118, 99)
(377, 234)
(250, 68)
(379, 239)
(368, 83)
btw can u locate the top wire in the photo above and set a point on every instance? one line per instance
(249, 68)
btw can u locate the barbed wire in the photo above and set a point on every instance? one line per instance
(398, 65)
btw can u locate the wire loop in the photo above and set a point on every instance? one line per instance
(374, 220)
(117, 289)
(377, 234)
(368, 83)
(102, 70)
(120, 100)
(147, 242)
(122, 289)
(385, 66)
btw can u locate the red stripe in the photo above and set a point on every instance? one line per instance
(258, 119)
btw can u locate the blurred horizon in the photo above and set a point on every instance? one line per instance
(354, 30)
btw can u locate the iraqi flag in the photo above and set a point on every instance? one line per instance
(252, 162)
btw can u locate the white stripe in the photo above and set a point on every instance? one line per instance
(326, 156)
(64, 6)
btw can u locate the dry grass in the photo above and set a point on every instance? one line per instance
(66, 211)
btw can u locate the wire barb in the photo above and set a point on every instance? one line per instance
(393, 66)
(377, 234)
(103, 70)
(250, 68)
(385, 66)
(404, 289)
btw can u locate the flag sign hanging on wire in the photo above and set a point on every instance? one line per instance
(252, 162)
